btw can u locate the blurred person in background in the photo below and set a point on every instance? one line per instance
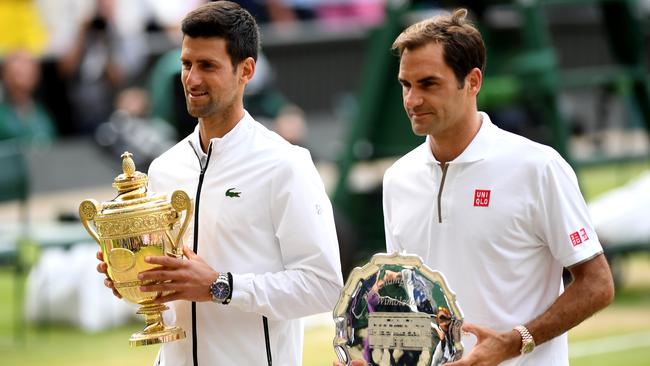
(167, 15)
(99, 47)
(95, 49)
(280, 12)
(358, 12)
(21, 115)
(264, 249)
(290, 124)
(131, 127)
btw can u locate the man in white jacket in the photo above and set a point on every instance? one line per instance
(263, 246)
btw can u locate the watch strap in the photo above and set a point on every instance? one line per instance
(229, 297)
(527, 341)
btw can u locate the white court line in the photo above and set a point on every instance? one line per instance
(609, 344)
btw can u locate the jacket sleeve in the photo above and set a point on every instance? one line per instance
(304, 228)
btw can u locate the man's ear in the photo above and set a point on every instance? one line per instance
(474, 80)
(247, 67)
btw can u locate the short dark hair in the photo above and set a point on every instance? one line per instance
(462, 43)
(227, 20)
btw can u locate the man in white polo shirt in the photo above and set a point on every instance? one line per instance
(498, 214)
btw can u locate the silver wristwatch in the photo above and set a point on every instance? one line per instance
(527, 341)
(220, 289)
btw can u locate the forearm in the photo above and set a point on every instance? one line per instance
(591, 290)
(286, 294)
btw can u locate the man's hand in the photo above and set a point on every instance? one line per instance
(186, 279)
(102, 267)
(491, 347)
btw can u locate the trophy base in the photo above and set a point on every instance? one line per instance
(169, 334)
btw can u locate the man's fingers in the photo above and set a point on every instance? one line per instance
(189, 253)
(171, 297)
(161, 275)
(160, 287)
(479, 332)
(108, 283)
(164, 261)
(102, 268)
(474, 329)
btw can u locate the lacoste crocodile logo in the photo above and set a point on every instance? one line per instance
(232, 193)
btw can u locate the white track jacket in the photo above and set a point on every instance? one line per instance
(261, 213)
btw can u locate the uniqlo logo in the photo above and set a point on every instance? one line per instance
(583, 234)
(575, 239)
(482, 198)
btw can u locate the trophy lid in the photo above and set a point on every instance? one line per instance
(132, 193)
(130, 180)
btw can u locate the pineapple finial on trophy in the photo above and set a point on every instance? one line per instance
(128, 166)
(131, 184)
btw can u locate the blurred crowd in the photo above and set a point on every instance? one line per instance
(110, 69)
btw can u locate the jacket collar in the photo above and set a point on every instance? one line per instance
(478, 149)
(232, 138)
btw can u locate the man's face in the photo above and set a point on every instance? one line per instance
(212, 86)
(430, 91)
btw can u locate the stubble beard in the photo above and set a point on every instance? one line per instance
(202, 111)
(424, 128)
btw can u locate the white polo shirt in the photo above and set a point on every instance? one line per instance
(500, 221)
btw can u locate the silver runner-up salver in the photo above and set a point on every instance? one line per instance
(394, 311)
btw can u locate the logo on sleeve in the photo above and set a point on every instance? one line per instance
(578, 237)
(481, 197)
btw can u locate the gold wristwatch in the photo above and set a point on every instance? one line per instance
(527, 341)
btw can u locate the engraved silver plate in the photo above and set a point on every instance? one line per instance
(397, 311)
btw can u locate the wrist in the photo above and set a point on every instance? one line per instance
(514, 343)
(221, 288)
(526, 341)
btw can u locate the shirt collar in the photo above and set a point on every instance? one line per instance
(477, 149)
(220, 143)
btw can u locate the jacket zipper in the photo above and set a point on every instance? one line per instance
(196, 247)
(265, 321)
(442, 185)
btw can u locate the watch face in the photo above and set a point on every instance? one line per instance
(527, 347)
(220, 290)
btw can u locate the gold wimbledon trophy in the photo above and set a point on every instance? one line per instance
(133, 225)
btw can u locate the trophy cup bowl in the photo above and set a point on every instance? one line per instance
(397, 311)
(135, 224)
